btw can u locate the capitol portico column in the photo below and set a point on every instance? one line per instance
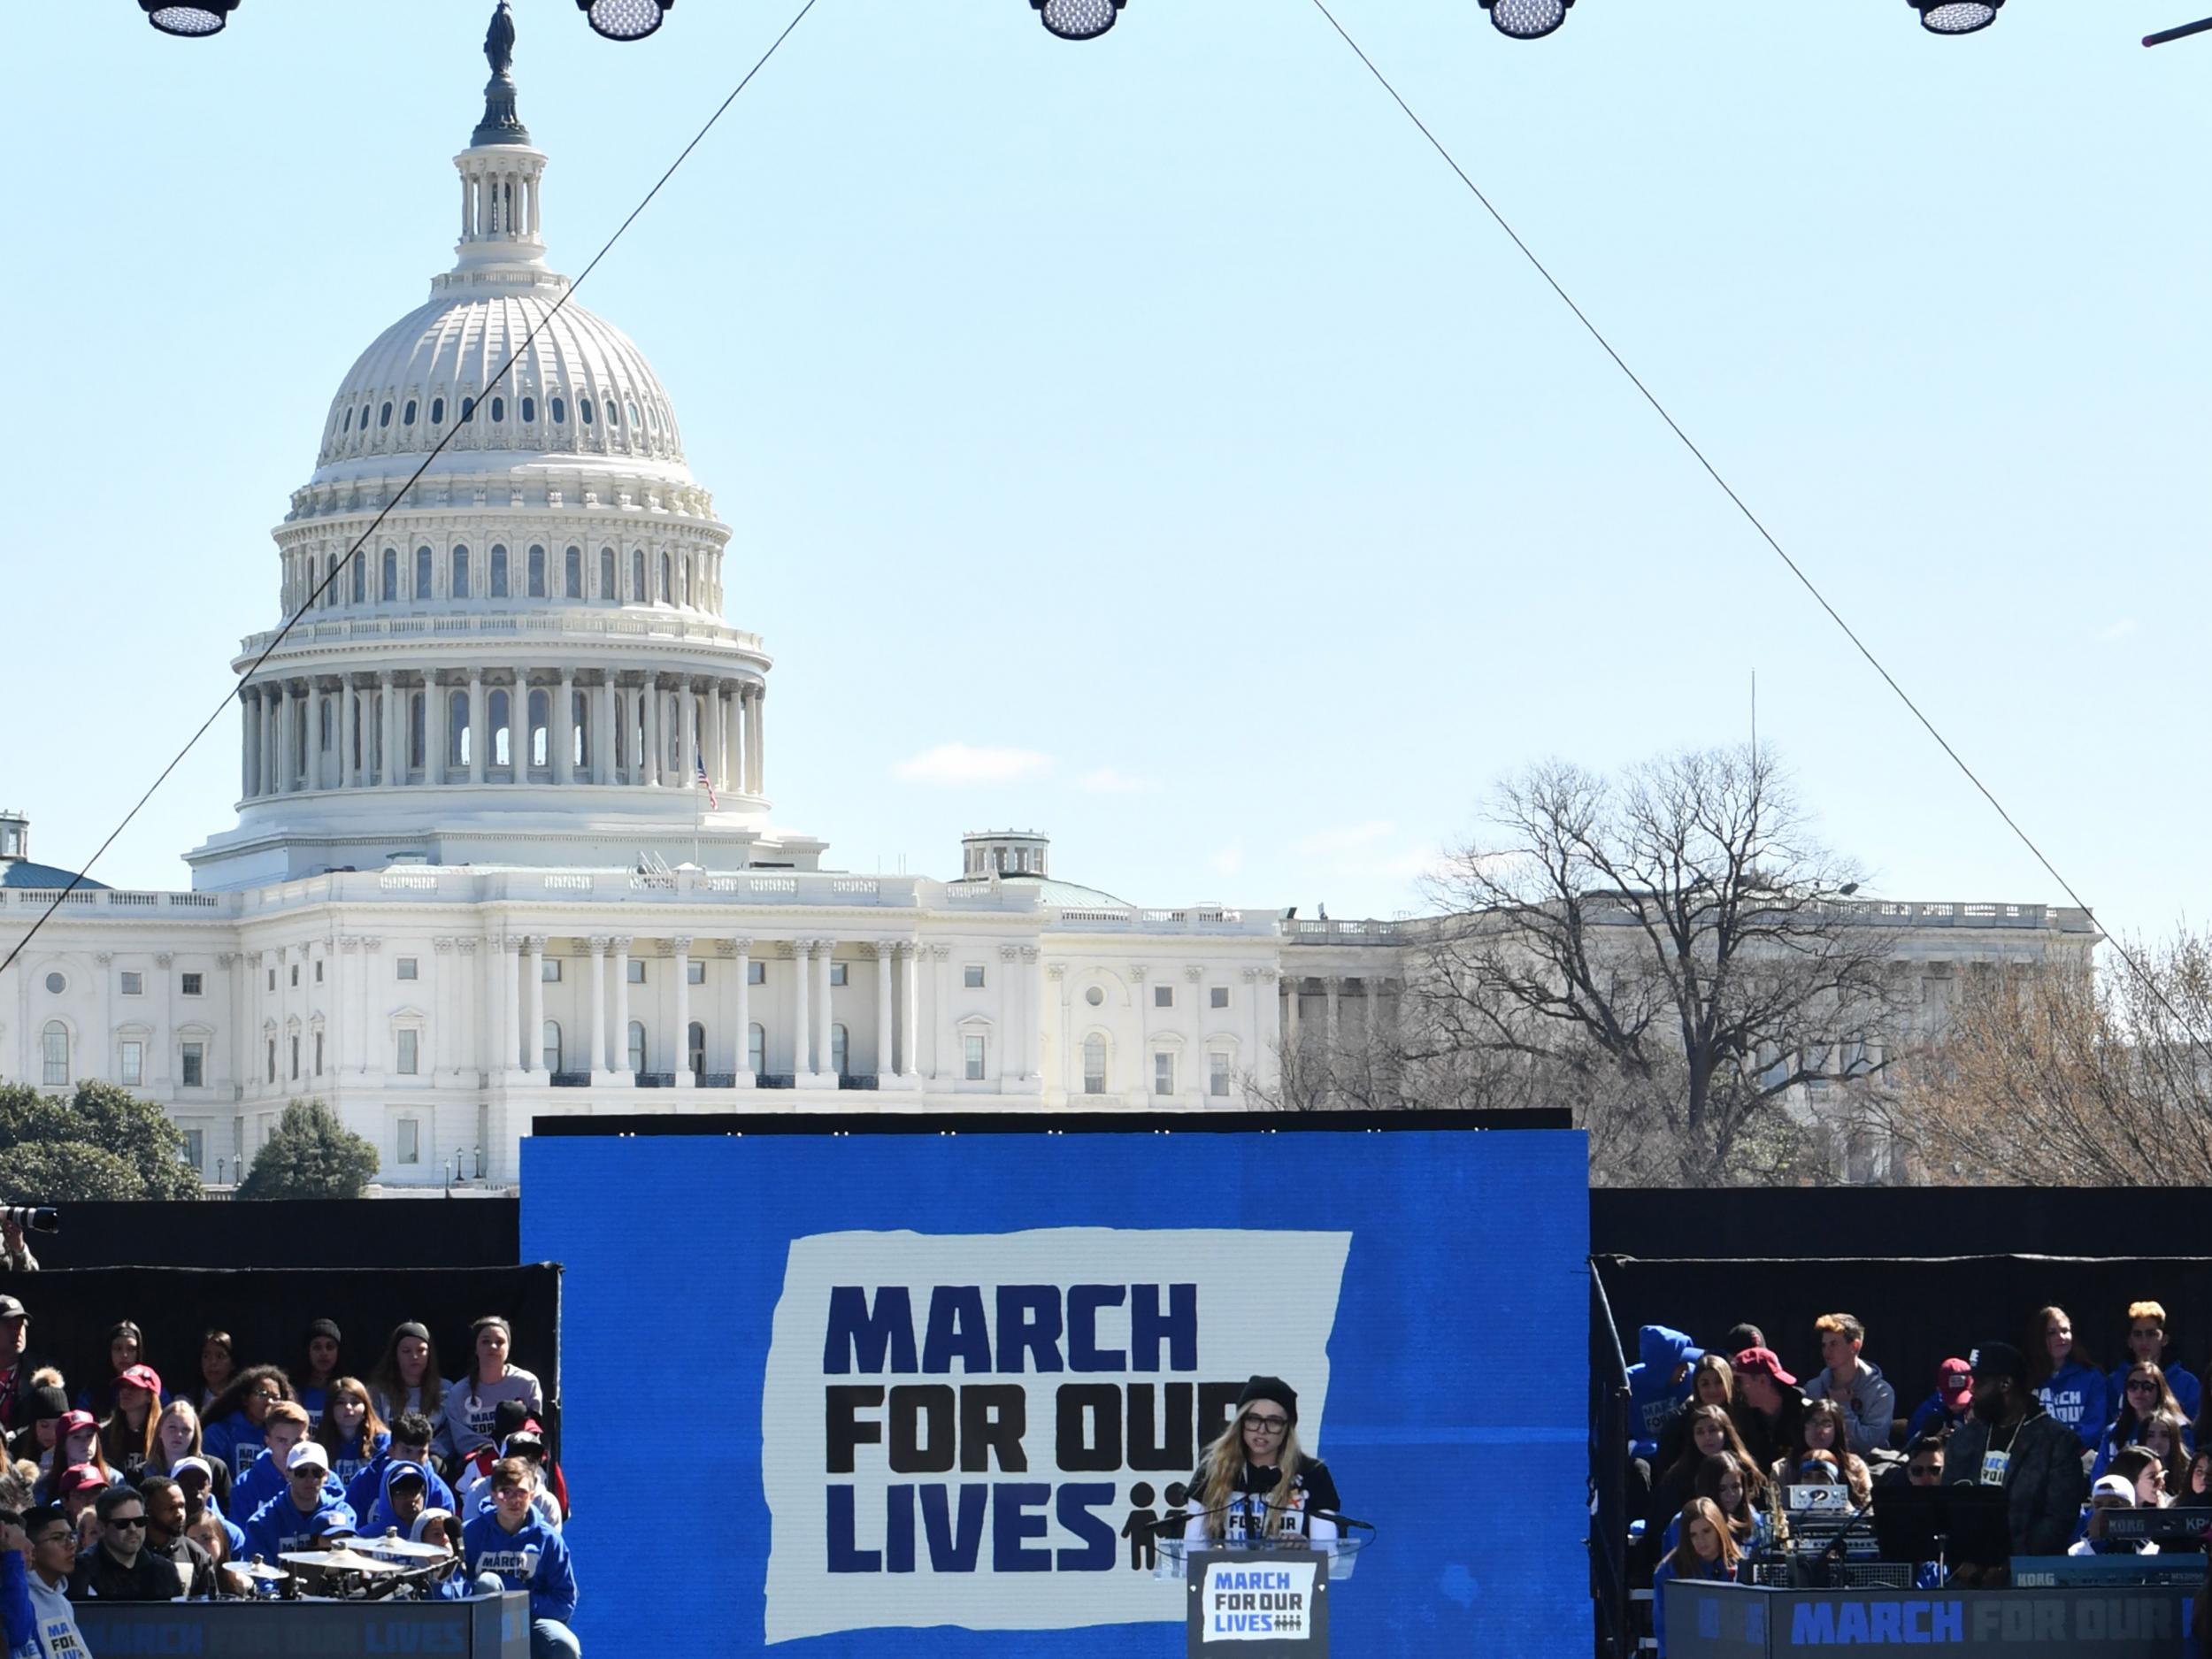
(347, 775)
(755, 770)
(713, 724)
(744, 1066)
(824, 1051)
(801, 1073)
(533, 1033)
(886, 1072)
(911, 1015)
(598, 1039)
(563, 737)
(509, 1000)
(476, 726)
(1331, 988)
(249, 722)
(518, 728)
(650, 775)
(387, 750)
(682, 948)
(314, 711)
(621, 1075)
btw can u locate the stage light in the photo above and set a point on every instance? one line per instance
(1526, 20)
(190, 21)
(1078, 19)
(625, 19)
(1955, 17)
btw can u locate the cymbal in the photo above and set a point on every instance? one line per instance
(340, 1561)
(403, 1549)
(256, 1570)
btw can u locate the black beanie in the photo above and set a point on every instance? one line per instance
(1270, 1389)
(48, 1402)
(508, 1416)
(323, 1327)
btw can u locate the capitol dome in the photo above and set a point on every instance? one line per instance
(581, 388)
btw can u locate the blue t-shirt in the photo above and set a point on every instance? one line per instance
(2075, 1395)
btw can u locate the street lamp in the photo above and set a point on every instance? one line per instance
(1078, 19)
(625, 19)
(1955, 17)
(206, 18)
(1526, 20)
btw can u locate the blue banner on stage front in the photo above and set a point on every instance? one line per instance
(924, 1395)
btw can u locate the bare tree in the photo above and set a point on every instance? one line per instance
(1670, 953)
(2069, 1078)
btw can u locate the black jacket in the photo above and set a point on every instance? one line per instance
(150, 1577)
(194, 1559)
(2045, 1483)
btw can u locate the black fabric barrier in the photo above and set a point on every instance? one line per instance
(488, 1627)
(288, 1232)
(267, 1309)
(1916, 1312)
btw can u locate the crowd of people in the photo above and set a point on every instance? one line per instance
(1719, 1436)
(125, 1487)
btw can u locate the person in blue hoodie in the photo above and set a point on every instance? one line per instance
(405, 1495)
(1706, 1550)
(284, 1428)
(1950, 1406)
(2070, 1387)
(1658, 1382)
(513, 1547)
(296, 1518)
(2146, 1346)
(411, 1433)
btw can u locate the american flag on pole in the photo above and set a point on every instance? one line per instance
(705, 782)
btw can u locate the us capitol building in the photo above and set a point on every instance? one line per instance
(473, 882)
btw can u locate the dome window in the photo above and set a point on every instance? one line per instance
(384, 416)
(613, 418)
(468, 409)
(437, 412)
(499, 573)
(583, 408)
(499, 409)
(560, 412)
(633, 419)
(349, 426)
(365, 417)
(529, 410)
(407, 415)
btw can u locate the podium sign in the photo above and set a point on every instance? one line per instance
(1250, 1604)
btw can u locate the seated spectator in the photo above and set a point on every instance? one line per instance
(195, 1476)
(404, 1495)
(165, 1520)
(410, 1443)
(471, 1403)
(1739, 1494)
(297, 1516)
(284, 1428)
(350, 1431)
(1869, 1402)
(443, 1526)
(218, 1367)
(1658, 1382)
(1712, 1383)
(232, 1426)
(126, 1347)
(43, 1409)
(1823, 1432)
(1710, 1432)
(2066, 1380)
(48, 1539)
(2111, 1491)
(77, 1486)
(18, 1370)
(527, 1444)
(76, 1446)
(2147, 1345)
(177, 1436)
(126, 1438)
(1740, 1337)
(407, 1378)
(2196, 1486)
(205, 1529)
(1951, 1404)
(317, 1368)
(1768, 1410)
(1706, 1550)
(2144, 1471)
(513, 1545)
(119, 1568)
(2146, 1396)
(2013, 1442)
(1924, 1461)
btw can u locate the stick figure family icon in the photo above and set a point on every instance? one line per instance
(1140, 1528)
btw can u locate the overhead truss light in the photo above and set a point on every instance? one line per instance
(1526, 20)
(190, 21)
(625, 19)
(1078, 19)
(1955, 17)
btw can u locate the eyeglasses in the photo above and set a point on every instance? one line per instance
(308, 1471)
(2141, 1386)
(68, 1537)
(1270, 1425)
(263, 1394)
(124, 1520)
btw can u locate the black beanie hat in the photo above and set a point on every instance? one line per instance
(48, 1402)
(508, 1416)
(323, 1327)
(1270, 1389)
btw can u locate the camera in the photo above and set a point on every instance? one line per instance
(31, 1217)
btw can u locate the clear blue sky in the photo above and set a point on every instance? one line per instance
(1162, 410)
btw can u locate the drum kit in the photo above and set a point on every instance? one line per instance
(356, 1569)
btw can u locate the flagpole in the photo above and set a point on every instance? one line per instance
(694, 823)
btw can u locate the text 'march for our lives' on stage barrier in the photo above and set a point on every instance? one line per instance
(929, 1386)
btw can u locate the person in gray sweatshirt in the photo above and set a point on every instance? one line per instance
(473, 1402)
(1870, 1404)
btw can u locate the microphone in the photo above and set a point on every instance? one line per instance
(1342, 1520)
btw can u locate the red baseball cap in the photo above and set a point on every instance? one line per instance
(1956, 1378)
(71, 1421)
(82, 1477)
(141, 1377)
(1764, 1359)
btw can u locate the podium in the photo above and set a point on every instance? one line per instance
(1251, 1600)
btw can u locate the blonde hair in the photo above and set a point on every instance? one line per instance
(2148, 1311)
(1223, 1465)
(157, 1459)
(285, 1411)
